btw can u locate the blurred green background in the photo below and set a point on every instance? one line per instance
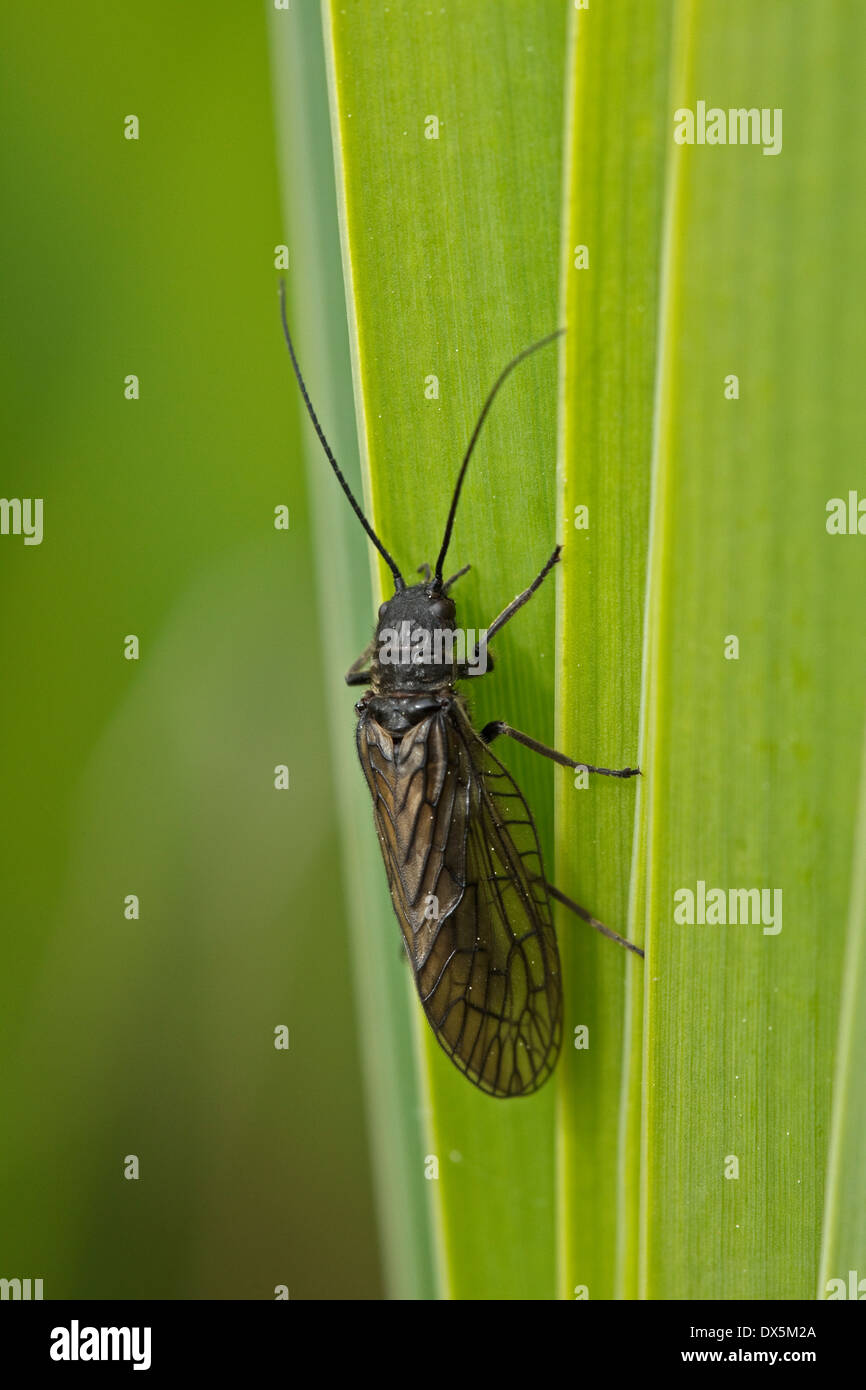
(156, 776)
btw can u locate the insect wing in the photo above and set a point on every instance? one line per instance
(496, 1003)
(464, 867)
(420, 790)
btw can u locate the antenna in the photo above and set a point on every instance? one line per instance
(449, 525)
(398, 578)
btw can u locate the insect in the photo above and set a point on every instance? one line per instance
(459, 843)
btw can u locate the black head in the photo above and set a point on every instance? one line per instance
(414, 643)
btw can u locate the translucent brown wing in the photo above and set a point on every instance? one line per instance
(466, 880)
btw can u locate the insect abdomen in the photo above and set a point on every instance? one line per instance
(470, 899)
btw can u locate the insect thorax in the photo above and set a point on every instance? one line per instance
(400, 713)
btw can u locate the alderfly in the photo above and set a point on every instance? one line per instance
(459, 843)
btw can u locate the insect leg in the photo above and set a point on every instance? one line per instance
(593, 921)
(359, 672)
(524, 597)
(453, 580)
(428, 575)
(498, 726)
(506, 612)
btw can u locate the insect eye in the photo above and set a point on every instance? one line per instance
(442, 608)
(383, 609)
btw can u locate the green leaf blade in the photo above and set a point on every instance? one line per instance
(451, 246)
(614, 200)
(318, 307)
(748, 761)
